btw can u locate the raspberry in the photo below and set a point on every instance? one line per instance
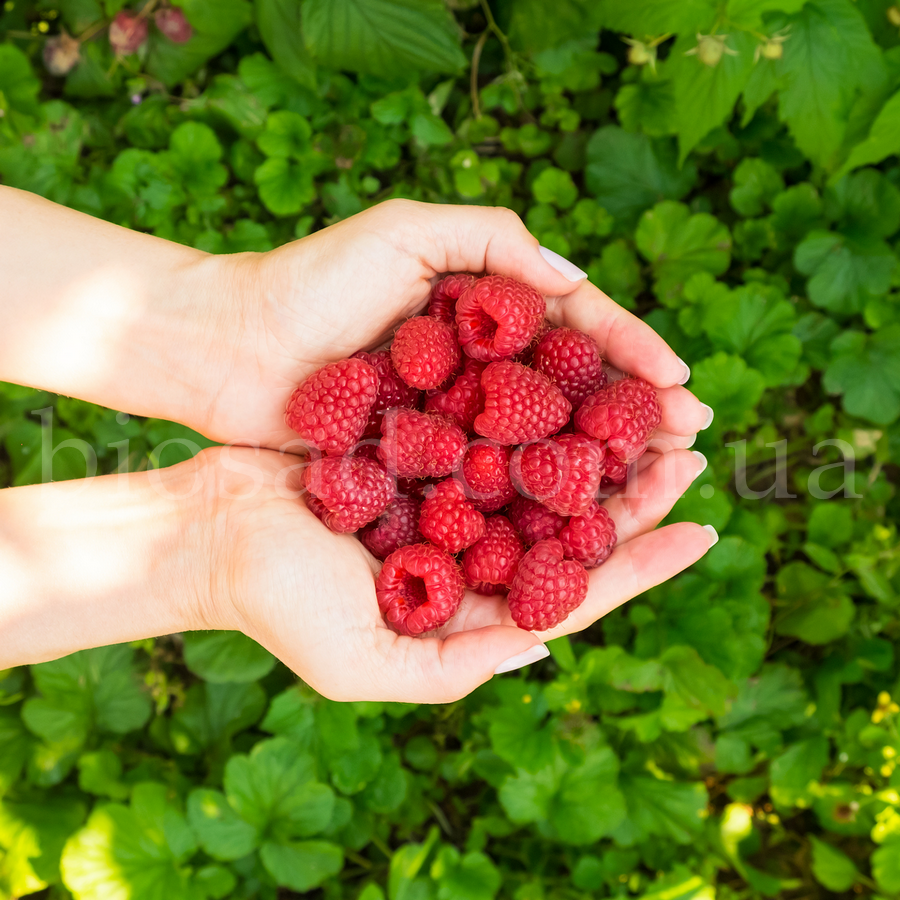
(526, 357)
(485, 475)
(330, 409)
(534, 521)
(589, 538)
(520, 404)
(490, 564)
(127, 32)
(546, 587)
(498, 316)
(464, 400)
(419, 588)
(396, 527)
(563, 472)
(615, 472)
(624, 414)
(420, 445)
(445, 294)
(173, 24)
(448, 519)
(353, 492)
(572, 360)
(392, 389)
(425, 352)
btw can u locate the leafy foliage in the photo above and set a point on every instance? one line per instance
(726, 169)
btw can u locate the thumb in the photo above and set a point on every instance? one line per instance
(449, 238)
(443, 670)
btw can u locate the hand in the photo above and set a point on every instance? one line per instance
(346, 288)
(308, 595)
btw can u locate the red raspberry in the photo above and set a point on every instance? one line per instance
(624, 414)
(419, 588)
(572, 360)
(448, 519)
(485, 475)
(498, 316)
(127, 31)
(563, 472)
(615, 472)
(396, 527)
(352, 491)
(445, 294)
(420, 445)
(392, 389)
(520, 404)
(589, 538)
(173, 24)
(526, 357)
(425, 352)
(546, 587)
(330, 409)
(490, 564)
(534, 521)
(464, 400)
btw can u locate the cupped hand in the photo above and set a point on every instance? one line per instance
(347, 287)
(308, 595)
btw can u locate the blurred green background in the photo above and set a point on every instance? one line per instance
(725, 168)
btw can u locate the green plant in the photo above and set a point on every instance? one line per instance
(726, 169)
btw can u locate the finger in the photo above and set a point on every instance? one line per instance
(442, 670)
(492, 239)
(635, 567)
(665, 442)
(682, 412)
(649, 495)
(628, 343)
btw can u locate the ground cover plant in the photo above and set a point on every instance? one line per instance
(726, 169)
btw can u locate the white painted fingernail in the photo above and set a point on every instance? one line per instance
(526, 658)
(693, 441)
(710, 415)
(687, 371)
(702, 460)
(562, 265)
(713, 535)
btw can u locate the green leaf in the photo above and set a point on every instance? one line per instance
(705, 95)
(825, 61)
(679, 244)
(886, 866)
(794, 770)
(287, 135)
(830, 524)
(756, 323)
(215, 24)
(196, 152)
(628, 173)
(669, 809)
(221, 832)
(32, 836)
(730, 387)
(100, 773)
(383, 37)
(816, 610)
(866, 205)
(643, 17)
(883, 139)
(226, 656)
(291, 714)
(213, 713)
(284, 187)
(833, 870)
(353, 769)
(534, 26)
(274, 789)
(16, 743)
(281, 29)
(89, 689)
(647, 105)
(756, 184)
(748, 14)
(697, 684)
(469, 877)
(134, 852)
(302, 865)
(555, 186)
(865, 369)
(17, 82)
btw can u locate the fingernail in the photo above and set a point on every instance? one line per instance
(526, 658)
(702, 460)
(687, 371)
(693, 441)
(562, 265)
(710, 415)
(713, 535)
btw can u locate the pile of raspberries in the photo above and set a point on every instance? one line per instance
(471, 454)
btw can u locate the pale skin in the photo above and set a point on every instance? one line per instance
(224, 541)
